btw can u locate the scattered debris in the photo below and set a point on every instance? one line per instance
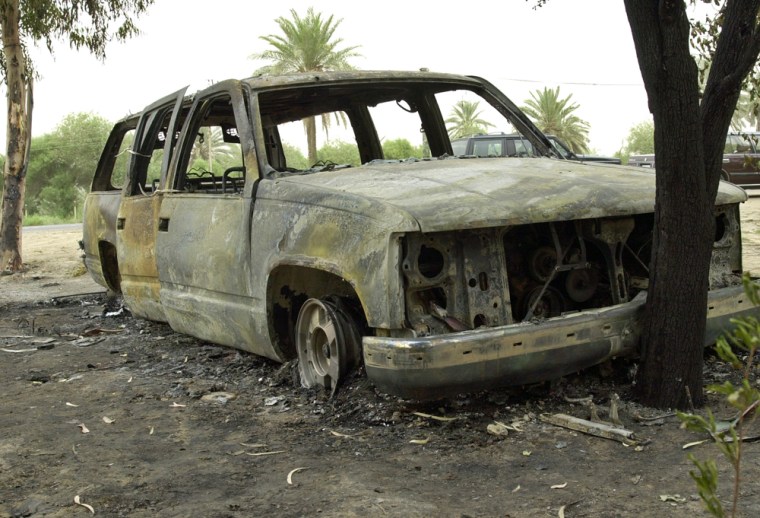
(290, 475)
(654, 419)
(107, 420)
(498, 429)
(86, 506)
(177, 405)
(673, 498)
(118, 313)
(581, 400)
(87, 342)
(559, 486)
(614, 406)
(265, 453)
(99, 330)
(274, 400)
(527, 453)
(420, 441)
(338, 434)
(71, 404)
(83, 428)
(219, 397)
(591, 428)
(435, 417)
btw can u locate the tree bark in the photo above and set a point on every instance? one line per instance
(689, 140)
(18, 138)
(670, 373)
(310, 126)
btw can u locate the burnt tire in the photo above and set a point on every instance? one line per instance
(328, 343)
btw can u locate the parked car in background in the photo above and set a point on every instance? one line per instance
(741, 159)
(439, 273)
(515, 145)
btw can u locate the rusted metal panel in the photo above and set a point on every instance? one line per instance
(98, 226)
(429, 367)
(136, 227)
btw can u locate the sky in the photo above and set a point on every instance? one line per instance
(582, 46)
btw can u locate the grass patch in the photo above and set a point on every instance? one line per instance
(35, 220)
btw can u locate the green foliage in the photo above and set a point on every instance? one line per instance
(555, 116)
(400, 149)
(210, 152)
(707, 485)
(61, 164)
(465, 120)
(34, 220)
(339, 152)
(744, 397)
(704, 40)
(640, 141)
(294, 158)
(83, 25)
(307, 45)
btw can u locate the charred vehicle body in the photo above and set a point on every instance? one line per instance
(439, 273)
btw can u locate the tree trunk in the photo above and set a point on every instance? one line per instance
(310, 125)
(19, 100)
(689, 140)
(670, 374)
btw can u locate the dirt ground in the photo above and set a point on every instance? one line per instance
(132, 419)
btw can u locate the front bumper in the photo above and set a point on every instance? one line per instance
(436, 366)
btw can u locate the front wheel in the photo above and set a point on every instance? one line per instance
(328, 343)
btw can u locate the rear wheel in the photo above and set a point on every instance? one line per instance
(328, 343)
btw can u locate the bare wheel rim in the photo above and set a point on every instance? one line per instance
(327, 344)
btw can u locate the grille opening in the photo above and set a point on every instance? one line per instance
(430, 262)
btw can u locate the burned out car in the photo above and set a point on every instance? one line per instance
(438, 273)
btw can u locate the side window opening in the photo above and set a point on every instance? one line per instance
(148, 154)
(112, 167)
(119, 172)
(213, 164)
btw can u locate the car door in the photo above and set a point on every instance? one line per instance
(101, 205)
(137, 221)
(741, 161)
(204, 232)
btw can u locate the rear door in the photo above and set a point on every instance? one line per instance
(138, 217)
(204, 233)
(101, 205)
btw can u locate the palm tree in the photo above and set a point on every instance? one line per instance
(210, 146)
(307, 45)
(464, 120)
(554, 116)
